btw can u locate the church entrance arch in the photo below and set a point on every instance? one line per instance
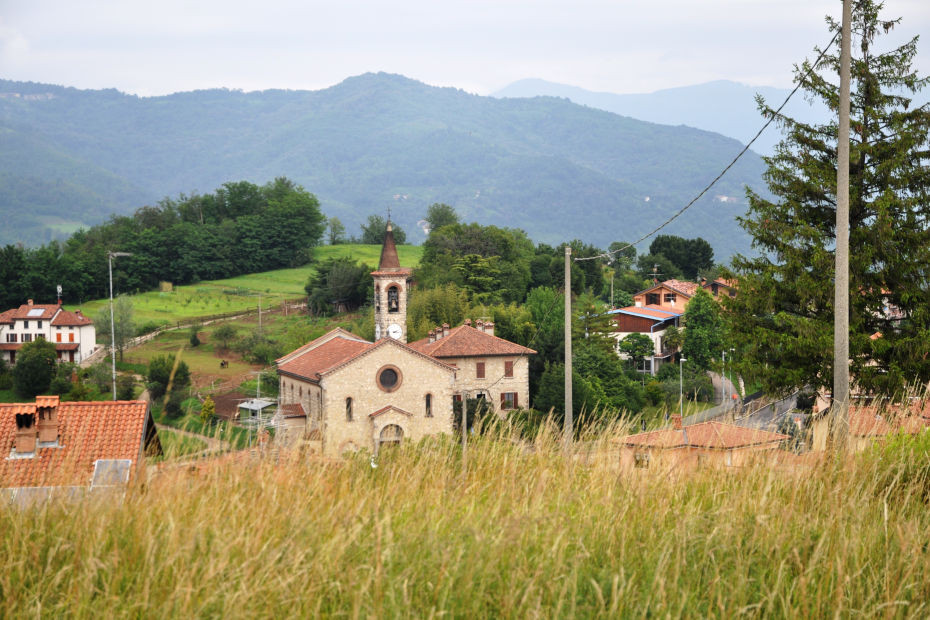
(391, 435)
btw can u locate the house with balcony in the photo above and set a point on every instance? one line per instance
(72, 333)
(652, 321)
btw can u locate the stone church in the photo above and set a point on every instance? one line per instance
(341, 393)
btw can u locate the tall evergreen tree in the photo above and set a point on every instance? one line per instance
(782, 318)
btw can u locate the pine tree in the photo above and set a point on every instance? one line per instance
(782, 318)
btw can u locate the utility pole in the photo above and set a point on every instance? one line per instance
(464, 431)
(840, 412)
(568, 430)
(110, 257)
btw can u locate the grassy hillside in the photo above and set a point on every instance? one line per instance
(519, 533)
(213, 297)
(557, 169)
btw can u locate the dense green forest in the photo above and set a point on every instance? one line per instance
(555, 169)
(240, 228)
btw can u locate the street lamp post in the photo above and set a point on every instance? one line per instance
(110, 257)
(681, 383)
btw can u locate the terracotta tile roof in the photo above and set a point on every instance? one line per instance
(293, 410)
(88, 431)
(10, 346)
(48, 311)
(712, 435)
(315, 361)
(71, 318)
(466, 341)
(67, 346)
(682, 286)
(7, 316)
(871, 421)
(335, 333)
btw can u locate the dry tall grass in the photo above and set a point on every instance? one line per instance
(521, 533)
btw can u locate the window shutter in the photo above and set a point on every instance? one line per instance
(480, 370)
(503, 400)
(508, 369)
(516, 400)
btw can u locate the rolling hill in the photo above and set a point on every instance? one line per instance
(722, 106)
(557, 169)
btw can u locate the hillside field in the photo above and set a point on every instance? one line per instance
(208, 298)
(518, 531)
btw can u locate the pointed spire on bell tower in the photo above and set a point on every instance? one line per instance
(389, 258)
(391, 284)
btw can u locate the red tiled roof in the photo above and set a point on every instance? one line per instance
(67, 346)
(293, 410)
(10, 346)
(466, 341)
(71, 318)
(7, 316)
(88, 431)
(317, 360)
(870, 421)
(713, 435)
(682, 286)
(49, 311)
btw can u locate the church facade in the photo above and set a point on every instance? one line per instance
(341, 393)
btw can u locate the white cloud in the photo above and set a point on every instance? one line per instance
(478, 45)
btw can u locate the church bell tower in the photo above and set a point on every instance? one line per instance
(391, 284)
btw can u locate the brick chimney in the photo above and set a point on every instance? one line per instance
(445, 330)
(489, 328)
(47, 408)
(432, 335)
(29, 302)
(25, 433)
(676, 421)
(468, 322)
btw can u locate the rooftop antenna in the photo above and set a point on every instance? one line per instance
(58, 290)
(655, 273)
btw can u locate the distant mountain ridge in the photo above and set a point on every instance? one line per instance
(722, 106)
(376, 141)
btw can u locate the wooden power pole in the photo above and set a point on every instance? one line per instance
(567, 430)
(840, 409)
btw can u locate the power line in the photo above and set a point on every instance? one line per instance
(771, 119)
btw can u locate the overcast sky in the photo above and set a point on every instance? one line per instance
(163, 46)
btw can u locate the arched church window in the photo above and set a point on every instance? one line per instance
(393, 299)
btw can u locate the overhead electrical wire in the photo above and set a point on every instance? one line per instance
(610, 254)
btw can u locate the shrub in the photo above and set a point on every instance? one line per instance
(125, 387)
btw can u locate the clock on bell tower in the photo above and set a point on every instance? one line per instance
(391, 284)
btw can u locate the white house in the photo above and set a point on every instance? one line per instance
(72, 333)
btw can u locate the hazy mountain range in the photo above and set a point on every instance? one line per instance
(728, 108)
(557, 169)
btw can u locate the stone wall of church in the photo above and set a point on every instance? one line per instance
(359, 381)
(307, 394)
(494, 382)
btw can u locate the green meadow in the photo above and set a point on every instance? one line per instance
(240, 294)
